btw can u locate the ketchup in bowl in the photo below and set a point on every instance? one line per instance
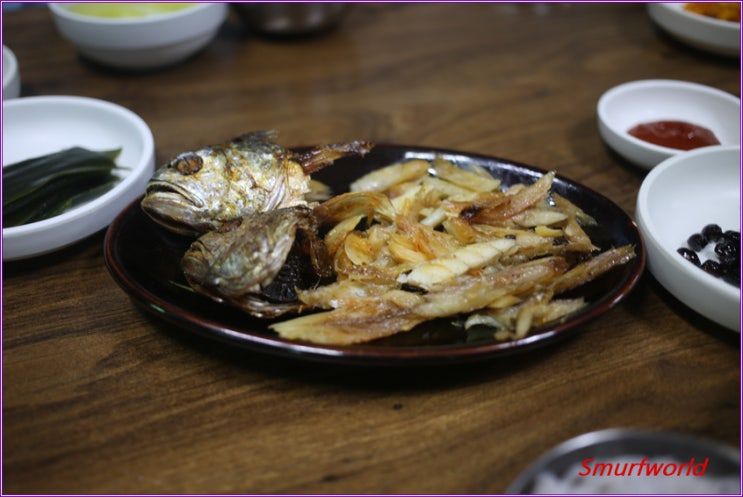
(675, 134)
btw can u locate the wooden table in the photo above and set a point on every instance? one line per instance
(99, 397)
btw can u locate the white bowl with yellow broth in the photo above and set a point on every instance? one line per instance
(137, 35)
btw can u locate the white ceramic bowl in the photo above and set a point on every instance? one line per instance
(34, 126)
(141, 43)
(626, 105)
(678, 198)
(706, 33)
(11, 75)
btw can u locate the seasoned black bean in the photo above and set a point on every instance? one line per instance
(712, 267)
(727, 251)
(732, 274)
(689, 255)
(697, 242)
(732, 236)
(712, 232)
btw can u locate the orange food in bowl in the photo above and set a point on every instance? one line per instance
(725, 11)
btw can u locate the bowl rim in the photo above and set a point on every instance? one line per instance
(58, 9)
(677, 9)
(144, 135)
(609, 95)
(12, 70)
(649, 233)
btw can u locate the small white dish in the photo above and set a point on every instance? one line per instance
(35, 126)
(141, 43)
(677, 199)
(11, 75)
(629, 104)
(703, 32)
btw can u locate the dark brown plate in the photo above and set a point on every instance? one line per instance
(144, 259)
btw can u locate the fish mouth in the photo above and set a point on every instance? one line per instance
(172, 191)
(173, 207)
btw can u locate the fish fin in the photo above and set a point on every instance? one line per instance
(265, 135)
(317, 158)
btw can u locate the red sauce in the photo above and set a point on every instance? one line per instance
(675, 134)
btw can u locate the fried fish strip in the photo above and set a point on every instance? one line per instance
(448, 243)
(366, 318)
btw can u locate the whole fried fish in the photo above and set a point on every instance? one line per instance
(200, 191)
(258, 262)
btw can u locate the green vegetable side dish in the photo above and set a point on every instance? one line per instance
(46, 186)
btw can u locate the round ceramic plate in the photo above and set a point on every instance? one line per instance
(144, 259)
(678, 198)
(644, 101)
(696, 30)
(36, 126)
(11, 75)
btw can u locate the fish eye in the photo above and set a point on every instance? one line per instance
(187, 163)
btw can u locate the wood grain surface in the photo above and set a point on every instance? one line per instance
(99, 397)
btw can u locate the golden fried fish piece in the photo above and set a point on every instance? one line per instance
(200, 191)
(258, 262)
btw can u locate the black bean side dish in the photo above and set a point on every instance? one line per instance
(726, 249)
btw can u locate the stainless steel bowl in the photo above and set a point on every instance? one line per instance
(631, 445)
(290, 19)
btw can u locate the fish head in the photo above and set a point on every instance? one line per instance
(245, 262)
(200, 191)
(191, 193)
(242, 257)
(236, 263)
